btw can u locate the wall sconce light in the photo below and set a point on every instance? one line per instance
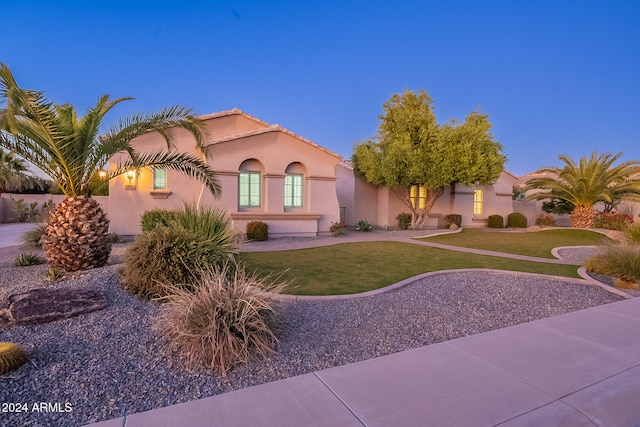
(131, 174)
(102, 173)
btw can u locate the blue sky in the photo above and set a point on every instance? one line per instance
(555, 77)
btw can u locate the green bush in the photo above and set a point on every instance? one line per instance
(454, 219)
(225, 322)
(612, 221)
(155, 218)
(516, 220)
(167, 255)
(257, 230)
(619, 261)
(27, 259)
(363, 225)
(495, 221)
(26, 212)
(404, 221)
(12, 356)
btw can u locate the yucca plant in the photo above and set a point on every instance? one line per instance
(587, 182)
(27, 259)
(71, 151)
(33, 238)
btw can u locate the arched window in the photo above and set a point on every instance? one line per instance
(294, 186)
(249, 184)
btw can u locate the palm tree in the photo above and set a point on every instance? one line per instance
(71, 152)
(14, 173)
(587, 182)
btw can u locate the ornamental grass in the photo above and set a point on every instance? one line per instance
(228, 319)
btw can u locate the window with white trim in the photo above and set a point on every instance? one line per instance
(159, 178)
(293, 191)
(249, 189)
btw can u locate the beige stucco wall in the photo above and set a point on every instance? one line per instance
(236, 139)
(380, 206)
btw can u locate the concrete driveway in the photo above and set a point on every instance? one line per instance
(10, 233)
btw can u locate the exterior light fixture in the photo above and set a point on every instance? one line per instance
(102, 173)
(130, 176)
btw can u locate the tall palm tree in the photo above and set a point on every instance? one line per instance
(14, 173)
(587, 182)
(70, 150)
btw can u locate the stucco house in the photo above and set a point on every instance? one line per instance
(267, 173)
(380, 206)
(270, 174)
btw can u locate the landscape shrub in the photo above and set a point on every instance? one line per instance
(404, 221)
(454, 219)
(363, 225)
(546, 220)
(257, 230)
(632, 234)
(336, 228)
(612, 221)
(33, 238)
(516, 220)
(115, 237)
(170, 255)
(154, 218)
(26, 212)
(495, 221)
(619, 261)
(212, 225)
(27, 259)
(226, 321)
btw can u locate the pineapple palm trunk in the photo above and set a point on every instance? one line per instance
(77, 235)
(583, 217)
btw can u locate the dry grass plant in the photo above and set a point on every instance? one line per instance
(632, 234)
(33, 238)
(227, 320)
(621, 261)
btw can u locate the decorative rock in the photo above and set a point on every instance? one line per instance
(453, 227)
(46, 305)
(615, 235)
(533, 229)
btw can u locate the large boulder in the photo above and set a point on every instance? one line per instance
(46, 305)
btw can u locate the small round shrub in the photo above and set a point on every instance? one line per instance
(225, 322)
(12, 356)
(454, 219)
(404, 221)
(516, 220)
(257, 230)
(336, 228)
(167, 255)
(495, 221)
(363, 225)
(154, 218)
(27, 259)
(612, 221)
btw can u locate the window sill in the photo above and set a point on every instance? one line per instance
(160, 194)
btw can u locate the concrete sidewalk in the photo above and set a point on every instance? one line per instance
(578, 369)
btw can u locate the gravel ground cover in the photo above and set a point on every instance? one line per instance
(111, 363)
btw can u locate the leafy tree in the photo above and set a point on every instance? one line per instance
(417, 158)
(14, 173)
(587, 182)
(558, 206)
(71, 151)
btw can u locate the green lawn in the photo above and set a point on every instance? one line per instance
(533, 244)
(358, 267)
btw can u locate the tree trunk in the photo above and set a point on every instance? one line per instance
(77, 235)
(583, 217)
